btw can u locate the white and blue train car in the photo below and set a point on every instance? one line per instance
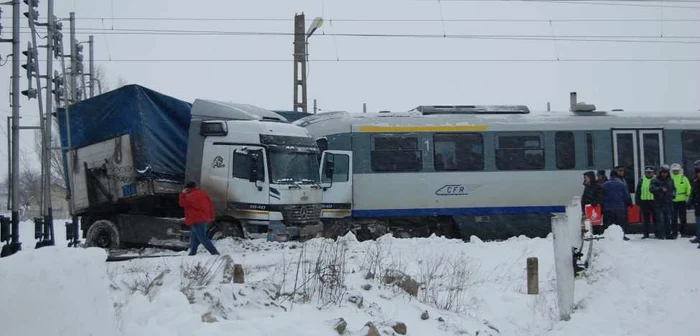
(493, 171)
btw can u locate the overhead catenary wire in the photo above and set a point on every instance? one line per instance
(538, 60)
(681, 39)
(673, 4)
(386, 20)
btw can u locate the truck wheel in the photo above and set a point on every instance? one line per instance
(103, 234)
(224, 229)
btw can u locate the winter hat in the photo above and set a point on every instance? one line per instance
(675, 166)
(664, 168)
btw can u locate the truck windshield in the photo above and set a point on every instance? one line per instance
(292, 166)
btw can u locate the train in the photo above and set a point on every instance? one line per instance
(490, 171)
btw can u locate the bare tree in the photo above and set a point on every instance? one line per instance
(29, 188)
(58, 174)
(101, 79)
(121, 81)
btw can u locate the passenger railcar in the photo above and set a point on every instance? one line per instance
(495, 171)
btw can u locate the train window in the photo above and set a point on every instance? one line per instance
(458, 152)
(691, 151)
(590, 149)
(341, 166)
(396, 154)
(519, 152)
(399, 143)
(565, 149)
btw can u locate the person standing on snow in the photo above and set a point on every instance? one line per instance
(592, 194)
(199, 212)
(664, 191)
(615, 203)
(683, 189)
(644, 198)
(592, 191)
(601, 177)
(694, 201)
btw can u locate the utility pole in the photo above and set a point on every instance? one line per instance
(91, 46)
(48, 123)
(14, 245)
(299, 63)
(73, 61)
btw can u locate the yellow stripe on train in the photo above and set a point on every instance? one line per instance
(383, 129)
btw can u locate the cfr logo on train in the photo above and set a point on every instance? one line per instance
(456, 189)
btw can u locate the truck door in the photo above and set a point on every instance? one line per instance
(336, 179)
(250, 186)
(215, 175)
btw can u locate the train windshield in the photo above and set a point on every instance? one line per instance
(294, 165)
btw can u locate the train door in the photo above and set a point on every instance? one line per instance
(635, 149)
(336, 179)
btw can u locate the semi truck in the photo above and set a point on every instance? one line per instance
(128, 153)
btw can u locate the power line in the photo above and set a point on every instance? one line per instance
(386, 20)
(676, 39)
(513, 60)
(625, 3)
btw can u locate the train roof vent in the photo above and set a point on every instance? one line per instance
(472, 109)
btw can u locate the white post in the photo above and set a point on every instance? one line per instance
(573, 213)
(563, 264)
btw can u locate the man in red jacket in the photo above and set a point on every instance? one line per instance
(199, 211)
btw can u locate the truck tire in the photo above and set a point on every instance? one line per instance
(221, 229)
(103, 234)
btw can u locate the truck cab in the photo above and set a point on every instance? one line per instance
(262, 177)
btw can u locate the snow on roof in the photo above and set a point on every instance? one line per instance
(532, 121)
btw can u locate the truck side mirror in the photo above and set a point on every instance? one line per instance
(330, 169)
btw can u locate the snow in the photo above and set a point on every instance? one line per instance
(56, 291)
(637, 287)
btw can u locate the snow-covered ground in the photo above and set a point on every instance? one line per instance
(633, 288)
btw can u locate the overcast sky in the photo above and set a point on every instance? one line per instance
(399, 85)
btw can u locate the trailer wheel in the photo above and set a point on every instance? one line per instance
(103, 234)
(225, 228)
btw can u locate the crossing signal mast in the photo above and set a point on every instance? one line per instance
(9, 227)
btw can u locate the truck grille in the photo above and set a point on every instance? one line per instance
(302, 213)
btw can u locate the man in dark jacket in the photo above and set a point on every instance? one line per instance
(664, 191)
(694, 201)
(601, 177)
(644, 198)
(592, 191)
(199, 212)
(617, 199)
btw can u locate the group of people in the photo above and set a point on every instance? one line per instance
(663, 198)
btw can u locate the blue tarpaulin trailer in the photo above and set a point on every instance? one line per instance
(158, 126)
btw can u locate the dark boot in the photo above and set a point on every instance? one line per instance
(695, 241)
(646, 236)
